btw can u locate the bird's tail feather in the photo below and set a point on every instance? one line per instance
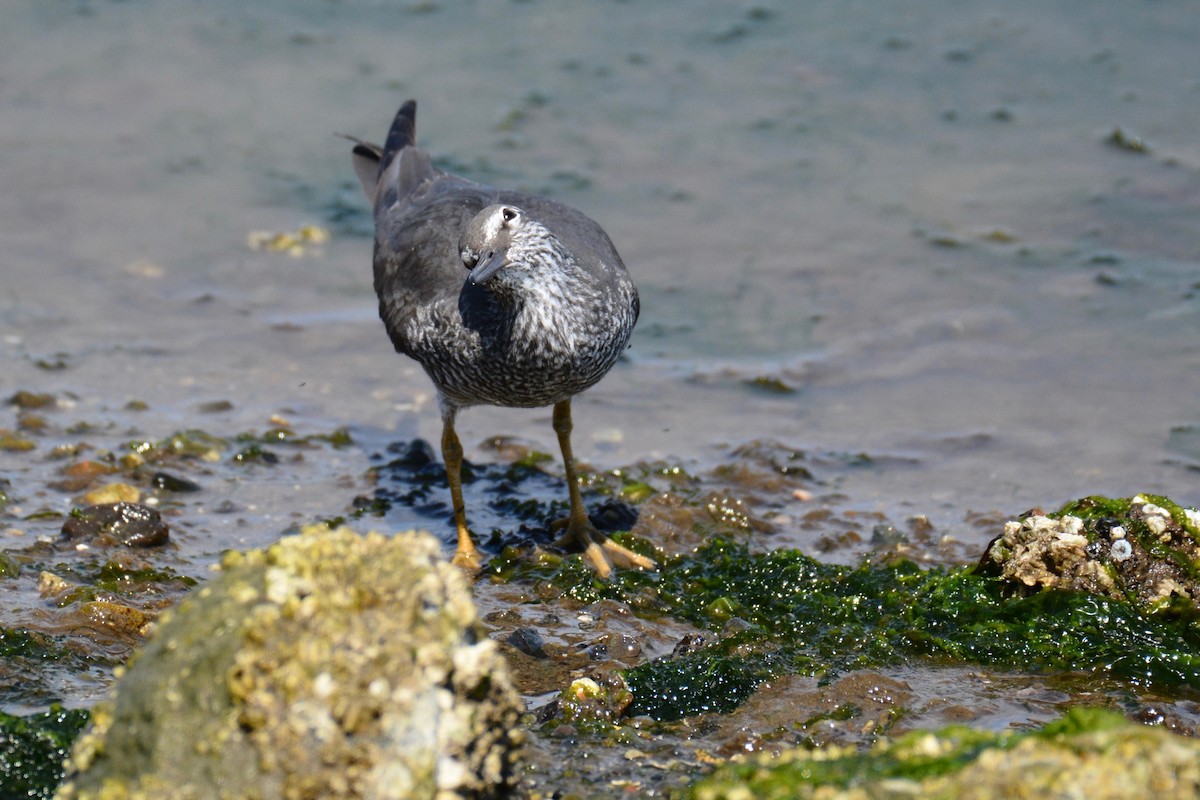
(403, 134)
(372, 162)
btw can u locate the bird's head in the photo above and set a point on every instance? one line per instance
(501, 237)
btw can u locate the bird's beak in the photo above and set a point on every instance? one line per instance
(490, 262)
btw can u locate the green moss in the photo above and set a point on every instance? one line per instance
(32, 750)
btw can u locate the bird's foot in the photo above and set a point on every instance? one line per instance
(468, 560)
(602, 553)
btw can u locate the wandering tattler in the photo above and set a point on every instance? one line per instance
(505, 298)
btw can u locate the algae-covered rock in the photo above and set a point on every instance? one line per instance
(1089, 753)
(1142, 549)
(330, 665)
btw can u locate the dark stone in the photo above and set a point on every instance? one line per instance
(130, 524)
(528, 641)
(173, 483)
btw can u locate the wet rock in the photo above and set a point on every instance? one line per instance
(593, 703)
(113, 493)
(50, 585)
(117, 618)
(1140, 549)
(215, 407)
(330, 665)
(88, 469)
(15, 443)
(129, 524)
(621, 647)
(26, 399)
(173, 483)
(886, 535)
(528, 641)
(1089, 753)
(690, 643)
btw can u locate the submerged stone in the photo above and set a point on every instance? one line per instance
(173, 483)
(330, 665)
(129, 524)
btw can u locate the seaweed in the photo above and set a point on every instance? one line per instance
(801, 616)
(33, 748)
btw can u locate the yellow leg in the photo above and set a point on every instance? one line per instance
(465, 555)
(580, 533)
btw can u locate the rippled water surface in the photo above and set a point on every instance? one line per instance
(949, 250)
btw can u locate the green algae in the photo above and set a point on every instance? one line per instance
(190, 443)
(796, 615)
(15, 642)
(125, 579)
(339, 437)
(1089, 752)
(33, 748)
(9, 568)
(248, 447)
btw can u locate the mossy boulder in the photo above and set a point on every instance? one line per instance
(330, 665)
(1089, 753)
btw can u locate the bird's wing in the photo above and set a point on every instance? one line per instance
(420, 213)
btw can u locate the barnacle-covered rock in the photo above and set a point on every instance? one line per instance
(330, 665)
(1145, 549)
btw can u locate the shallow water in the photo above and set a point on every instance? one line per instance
(902, 241)
(909, 218)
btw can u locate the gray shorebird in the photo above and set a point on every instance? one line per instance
(504, 298)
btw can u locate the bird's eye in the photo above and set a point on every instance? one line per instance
(508, 214)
